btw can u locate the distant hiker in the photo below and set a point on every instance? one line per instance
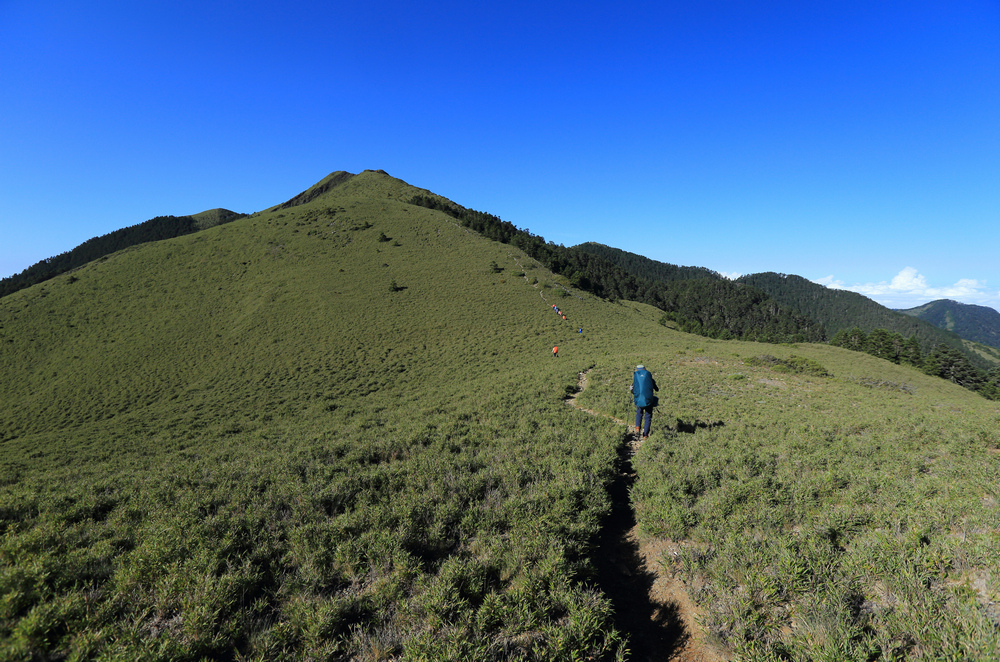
(564, 317)
(581, 329)
(642, 389)
(555, 351)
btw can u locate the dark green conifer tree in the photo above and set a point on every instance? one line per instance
(911, 354)
(879, 343)
(991, 384)
(854, 339)
(950, 364)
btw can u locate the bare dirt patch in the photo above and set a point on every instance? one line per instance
(671, 596)
(773, 382)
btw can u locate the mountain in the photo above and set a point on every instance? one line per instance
(699, 300)
(310, 432)
(709, 306)
(155, 229)
(838, 310)
(644, 267)
(979, 324)
(336, 429)
(212, 217)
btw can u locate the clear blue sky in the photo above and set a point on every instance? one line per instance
(853, 143)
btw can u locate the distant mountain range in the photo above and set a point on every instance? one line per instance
(833, 309)
(840, 309)
(977, 323)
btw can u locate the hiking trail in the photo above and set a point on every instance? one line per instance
(651, 606)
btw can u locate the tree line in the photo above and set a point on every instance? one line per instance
(941, 361)
(708, 305)
(839, 310)
(644, 267)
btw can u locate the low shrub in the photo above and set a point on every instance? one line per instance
(799, 365)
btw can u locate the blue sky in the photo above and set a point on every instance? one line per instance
(855, 144)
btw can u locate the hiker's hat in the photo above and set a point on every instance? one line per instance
(640, 367)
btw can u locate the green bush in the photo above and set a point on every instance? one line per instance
(798, 365)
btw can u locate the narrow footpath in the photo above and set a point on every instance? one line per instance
(651, 607)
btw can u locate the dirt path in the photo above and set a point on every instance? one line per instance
(580, 386)
(651, 606)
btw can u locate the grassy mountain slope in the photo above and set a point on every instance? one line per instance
(331, 181)
(245, 440)
(712, 307)
(155, 229)
(333, 430)
(979, 324)
(212, 217)
(840, 309)
(989, 354)
(843, 513)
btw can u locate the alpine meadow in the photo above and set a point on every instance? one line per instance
(336, 429)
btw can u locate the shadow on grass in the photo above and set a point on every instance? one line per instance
(655, 631)
(690, 427)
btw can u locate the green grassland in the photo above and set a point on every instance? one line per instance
(851, 516)
(991, 354)
(244, 444)
(335, 431)
(213, 217)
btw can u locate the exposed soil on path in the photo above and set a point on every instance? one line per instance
(651, 607)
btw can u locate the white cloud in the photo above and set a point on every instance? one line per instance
(831, 282)
(909, 280)
(910, 288)
(731, 275)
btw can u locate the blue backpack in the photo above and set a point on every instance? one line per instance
(642, 389)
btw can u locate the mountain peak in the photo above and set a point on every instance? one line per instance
(331, 181)
(366, 179)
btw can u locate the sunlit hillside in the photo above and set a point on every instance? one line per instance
(336, 429)
(821, 504)
(329, 429)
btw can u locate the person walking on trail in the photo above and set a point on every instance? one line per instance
(642, 389)
(555, 351)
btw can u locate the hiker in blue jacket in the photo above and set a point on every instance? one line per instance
(642, 389)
